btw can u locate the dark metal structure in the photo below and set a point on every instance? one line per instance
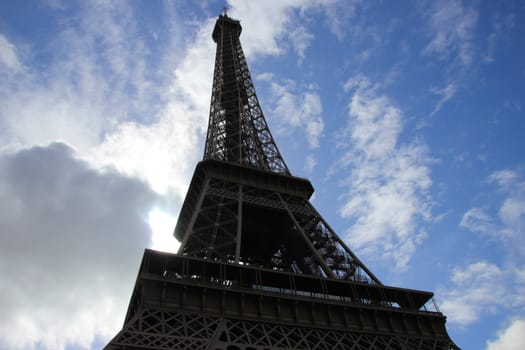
(258, 267)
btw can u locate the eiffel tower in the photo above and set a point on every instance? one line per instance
(258, 267)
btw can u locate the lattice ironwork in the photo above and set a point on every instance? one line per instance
(253, 225)
(244, 335)
(237, 129)
(159, 329)
(258, 267)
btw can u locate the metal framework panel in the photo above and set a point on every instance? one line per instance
(160, 329)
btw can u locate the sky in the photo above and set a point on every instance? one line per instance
(407, 116)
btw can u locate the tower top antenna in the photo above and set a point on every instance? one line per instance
(225, 11)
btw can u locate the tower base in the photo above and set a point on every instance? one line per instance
(186, 303)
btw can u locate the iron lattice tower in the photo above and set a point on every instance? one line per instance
(258, 267)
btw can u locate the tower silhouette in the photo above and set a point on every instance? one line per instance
(258, 267)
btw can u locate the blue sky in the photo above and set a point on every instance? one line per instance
(407, 117)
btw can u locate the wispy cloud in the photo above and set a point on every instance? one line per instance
(511, 213)
(477, 220)
(310, 163)
(164, 152)
(93, 69)
(388, 180)
(506, 221)
(301, 39)
(506, 179)
(484, 287)
(273, 27)
(451, 30)
(340, 16)
(268, 23)
(479, 289)
(8, 56)
(445, 94)
(298, 110)
(501, 27)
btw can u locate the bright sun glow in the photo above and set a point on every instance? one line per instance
(162, 226)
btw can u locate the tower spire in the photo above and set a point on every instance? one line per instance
(237, 129)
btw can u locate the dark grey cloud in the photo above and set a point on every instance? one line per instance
(71, 240)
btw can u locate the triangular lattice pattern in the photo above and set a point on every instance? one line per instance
(157, 329)
(268, 228)
(237, 130)
(258, 335)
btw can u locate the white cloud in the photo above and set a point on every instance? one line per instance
(340, 16)
(264, 23)
(75, 119)
(506, 179)
(445, 94)
(96, 76)
(511, 338)
(265, 76)
(8, 55)
(388, 180)
(301, 39)
(375, 125)
(500, 28)
(511, 213)
(359, 82)
(485, 288)
(451, 30)
(267, 24)
(298, 110)
(479, 289)
(164, 153)
(477, 220)
(116, 104)
(310, 163)
(506, 222)
(69, 237)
